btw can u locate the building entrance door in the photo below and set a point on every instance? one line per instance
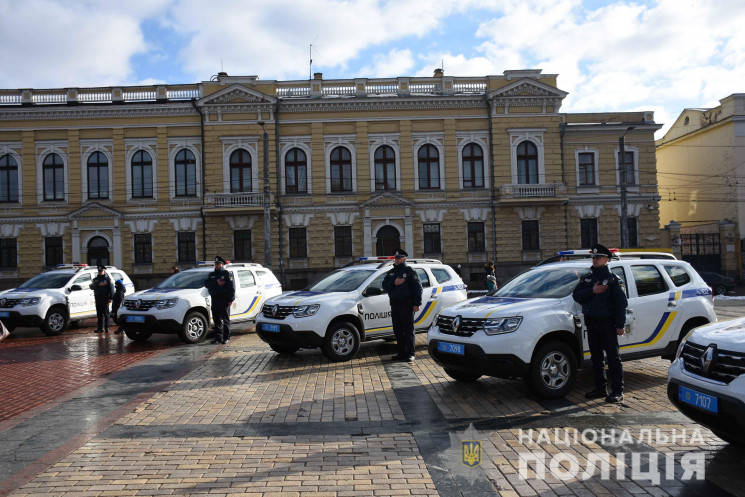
(388, 241)
(98, 251)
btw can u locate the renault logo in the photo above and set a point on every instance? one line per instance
(275, 310)
(2, 302)
(138, 304)
(707, 358)
(456, 324)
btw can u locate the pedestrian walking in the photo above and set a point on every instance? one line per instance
(221, 287)
(174, 270)
(405, 294)
(491, 284)
(103, 292)
(119, 291)
(458, 270)
(603, 299)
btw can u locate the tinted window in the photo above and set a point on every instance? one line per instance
(551, 283)
(648, 280)
(246, 278)
(618, 271)
(678, 274)
(47, 280)
(117, 276)
(83, 279)
(185, 279)
(441, 275)
(423, 277)
(341, 281)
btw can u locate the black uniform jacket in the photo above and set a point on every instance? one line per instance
(409, 291)
(119, 291)
(102, 287)
(225, 292)
(609, 304)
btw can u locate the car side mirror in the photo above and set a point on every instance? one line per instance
(372, 291)
(75, 288)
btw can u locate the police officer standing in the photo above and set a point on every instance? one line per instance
(604, 303)
(405, 294)
(103, 292)
(221, 287)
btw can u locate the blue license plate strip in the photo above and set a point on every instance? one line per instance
(270, 327)
(135, 319)
(451, 348)
(4, 314)
(703, 401)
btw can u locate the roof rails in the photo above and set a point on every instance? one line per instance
(386, 260)
(76, 267)
(244, 264)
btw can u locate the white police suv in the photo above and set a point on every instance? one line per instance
(348, 306)
(707, 379)
(181, 304)
(55, 299)
(533, 329)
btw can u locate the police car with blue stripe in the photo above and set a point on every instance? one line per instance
(533, 329)
(181, 303)
(349, 305)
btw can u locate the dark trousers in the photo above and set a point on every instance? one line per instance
(115, 304)
(601, 335)
(402, 315)
(102, 312)
(221, 317)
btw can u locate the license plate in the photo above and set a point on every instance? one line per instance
(451, 348)
(135, 319)
(698, 399)
(270, 327)
(4, 314)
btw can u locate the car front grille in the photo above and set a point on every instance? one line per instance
(145, 305)
(467, 327)
(8, 303)
(282, 311)
(725, 367)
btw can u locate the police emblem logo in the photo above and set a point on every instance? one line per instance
(471, 452)
(456, 324)
(138, 304)
(707, 358)
(275, 311)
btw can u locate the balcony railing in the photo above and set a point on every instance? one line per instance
(544, 190)
(223, 200)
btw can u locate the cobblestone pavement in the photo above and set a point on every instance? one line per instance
(243, 420)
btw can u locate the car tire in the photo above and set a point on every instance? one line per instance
(720, 290)
(462, 375)
(553, 370)
(55, 322)
(194, 327)
(342, 342)
(137, 335)
(284, 349)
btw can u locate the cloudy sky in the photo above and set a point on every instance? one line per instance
(662, 55)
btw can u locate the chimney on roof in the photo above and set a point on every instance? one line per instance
(317, 75)
(439, 73)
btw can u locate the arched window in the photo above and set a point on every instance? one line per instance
(186, 173)
(385, 168)
(240, 171)
(527, 163)
(296, 171)
(473, 166)
(98, 251)
(388, 240)
(429, 168)
(98, 176)
(54, 177)
(142, 175)
(341, 170)
(8, 179)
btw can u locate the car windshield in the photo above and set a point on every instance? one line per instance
(186, 279)
(341, 281)
(47, 280)
(548, 284)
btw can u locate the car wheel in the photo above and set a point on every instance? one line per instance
(284, 349)
(194, 328)
(462, 375)
(720, 290)
(137, 335)
(553, 370)
(55, 322)
(342, 342)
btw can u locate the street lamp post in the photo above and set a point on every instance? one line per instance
(267, 214)
(624, 204)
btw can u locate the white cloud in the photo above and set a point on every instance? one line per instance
(393, 64)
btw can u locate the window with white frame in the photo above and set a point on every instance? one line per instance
(527, 163)
(473, 166)
(629, 165)
(428, 161)
(385, 168)
(8, 179)
(240, 171)
(340, 162)
(185, 173)
(53, 177)
(142, 175)
(98, 176)
(586, 169)
(296, 171)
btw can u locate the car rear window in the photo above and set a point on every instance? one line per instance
(678, 274)
(441, 275)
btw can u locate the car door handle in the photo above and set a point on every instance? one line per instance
(433, 297)
(672, 303)
(629, 311)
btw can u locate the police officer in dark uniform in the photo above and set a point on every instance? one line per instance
(405, 294)
(221, 287)
(103, 292)
(604, 303)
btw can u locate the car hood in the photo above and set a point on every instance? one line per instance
(167, 293)
(21, 293)
(483, 307)
(305, 297)
(727, 335)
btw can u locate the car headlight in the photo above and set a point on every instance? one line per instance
(166, 303)
(302, 311)
(497, 326)
(680, 348)
(30, 301)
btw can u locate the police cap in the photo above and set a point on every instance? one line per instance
(101, 267)
(600, 251)
(219, 259)
(399, 252)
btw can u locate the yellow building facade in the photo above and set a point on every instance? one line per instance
(305, 176)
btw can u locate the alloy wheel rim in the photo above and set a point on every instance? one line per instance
(555, 370)
(56, 321)
(342, 341)
(195, 328)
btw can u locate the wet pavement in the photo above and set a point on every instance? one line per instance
(101, 415)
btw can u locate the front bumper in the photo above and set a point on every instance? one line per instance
(475, 360)
(289, 336)
(15, 319)
(151, 323)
